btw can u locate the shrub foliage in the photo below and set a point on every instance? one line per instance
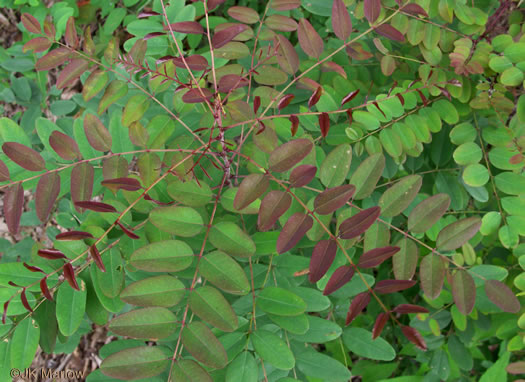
(273, 191)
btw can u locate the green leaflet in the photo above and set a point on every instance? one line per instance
(500, 157)
(181, 221)
(432, 275)
(115, 90)
(490, 222)
(293, 324)
(319, 365)
(229, 238)
(463, 291)
(243, 369)
(475, 175)
(460, 353)
(94, 308)
(398, 197)
(113, 305)
(497, 370)
(224, 272)
(314, 299)
(405, 261)
(189, 370)
(280, 302)
(163, 256)
(211, 306)
(269, 75)
(335, 166)
(440, 364)
(152, 323)
(447, 111)
(272, 349)
(428, 212)
(467, 153)
(111, 282)
(24, 344)
(190, 193)
(366, 176)
(458, 233)
(45, 315)
(320, 330)
(135, 363)
(367, 119)
(463, 133)
(488, 272)
(70, 309)
(360, 342)
(164, 290)
(391, 142)
(135, 109)
(510, 183)
(203, 345)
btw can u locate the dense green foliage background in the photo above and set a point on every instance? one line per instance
(266, 191)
